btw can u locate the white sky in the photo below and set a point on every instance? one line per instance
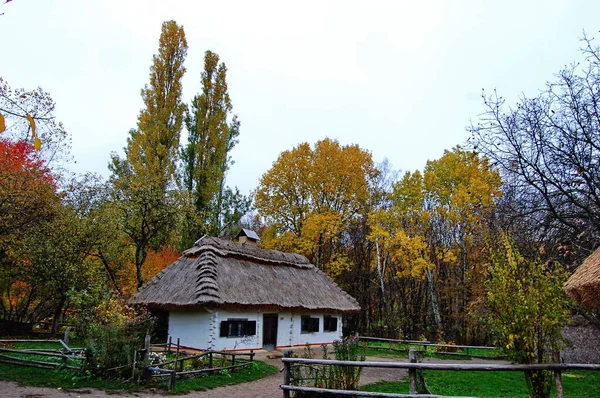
(400, 78)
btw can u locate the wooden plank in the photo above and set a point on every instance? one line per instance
(29, 341)
(424, 343)
(558, 376)
(412, 373)
(191, 372)
(360, 393)
(32, 363)
(444, 366)
(399, 341)
(28, 352)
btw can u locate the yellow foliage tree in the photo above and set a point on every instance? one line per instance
(311, 195)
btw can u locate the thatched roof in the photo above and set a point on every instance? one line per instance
(218, 272)
(584, 285)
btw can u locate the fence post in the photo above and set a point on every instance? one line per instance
(412, 373)
(146, 350)
(557, 375)
(172, 379)
(251, 355)
(169, 346)
(66, 336)
(210, 362)
(233, 362)
(286, 374)
(135, 354)
(177, 354)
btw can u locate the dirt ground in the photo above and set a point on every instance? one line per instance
(264, 388)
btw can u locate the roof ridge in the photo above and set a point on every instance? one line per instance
(206, 281)
(229, 249)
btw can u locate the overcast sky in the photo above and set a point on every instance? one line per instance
(400, 78)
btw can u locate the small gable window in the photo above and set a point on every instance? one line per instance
(238, 328)
(309, 324)
(330, 323)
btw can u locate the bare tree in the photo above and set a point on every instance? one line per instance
(548, 151)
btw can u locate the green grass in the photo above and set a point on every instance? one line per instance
(67, 379)
(70, 379)
(256, 371)
(401, 350)
(577, 384)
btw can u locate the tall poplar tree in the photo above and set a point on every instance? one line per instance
(212, 134)
(144, 181)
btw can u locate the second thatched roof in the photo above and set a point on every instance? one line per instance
(584, 285)
(218, 272)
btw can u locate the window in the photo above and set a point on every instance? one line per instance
(238, 328)
(330, 323)
(309, 324)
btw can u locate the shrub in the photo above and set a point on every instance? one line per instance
(330, 376)
(112, 341)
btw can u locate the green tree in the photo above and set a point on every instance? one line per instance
(526, 310)
(212, 134)
(144, 181)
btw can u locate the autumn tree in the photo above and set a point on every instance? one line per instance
(432, 240)
(144, 181)
(27, 199)
(212, 134)
(526, 310)
(61, 264)
(546, 147)
(311, 196)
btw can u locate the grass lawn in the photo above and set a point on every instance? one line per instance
(576, 384)
(256, 371)
(68, 379)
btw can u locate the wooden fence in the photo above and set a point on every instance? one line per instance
(450, 349)
(70, 358)
(229, 361)
(413, 367)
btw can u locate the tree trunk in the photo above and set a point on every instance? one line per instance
(57, 313)
(435, 307)
(140, 258)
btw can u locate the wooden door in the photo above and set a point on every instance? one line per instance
(269, 331)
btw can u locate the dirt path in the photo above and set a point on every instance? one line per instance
(267, 387)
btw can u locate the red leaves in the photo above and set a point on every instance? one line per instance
(20, 157)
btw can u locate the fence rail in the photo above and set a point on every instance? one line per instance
(413, 367)
(30, 356)
(158, 370)
(449, 348)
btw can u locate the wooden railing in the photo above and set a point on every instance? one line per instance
(29, 356)
(440, 348)
(230, 361)
(413, 367)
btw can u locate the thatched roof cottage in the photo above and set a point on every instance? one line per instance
(584, 285)
(222, 294)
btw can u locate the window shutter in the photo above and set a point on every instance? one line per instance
(224, 327)
(314, 324)
(250, 328)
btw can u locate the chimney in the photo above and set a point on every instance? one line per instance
(247, 236)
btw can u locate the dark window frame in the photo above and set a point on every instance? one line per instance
(309, 324)
(237, 327)
(330, 323)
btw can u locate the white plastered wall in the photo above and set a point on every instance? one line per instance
(192, 328)
(201, 329)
